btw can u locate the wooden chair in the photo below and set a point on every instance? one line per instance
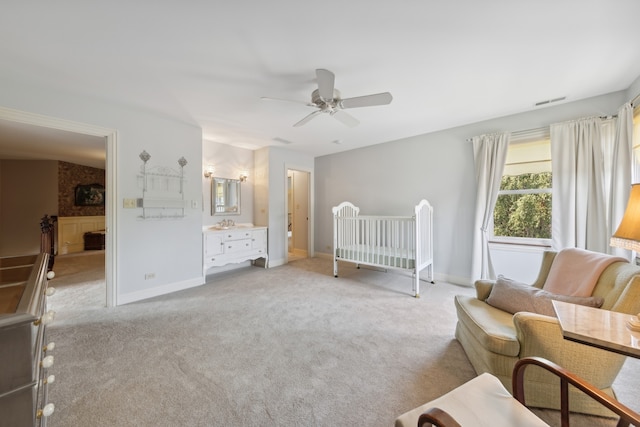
(485, 401)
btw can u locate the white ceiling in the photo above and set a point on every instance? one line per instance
(210, 62)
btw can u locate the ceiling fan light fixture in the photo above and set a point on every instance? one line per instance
(327, 99)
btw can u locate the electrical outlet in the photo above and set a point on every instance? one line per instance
(149, 276)
(129, 203)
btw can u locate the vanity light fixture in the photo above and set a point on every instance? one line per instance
(243, 176)
(208, 171)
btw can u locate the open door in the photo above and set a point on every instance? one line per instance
(298, 196)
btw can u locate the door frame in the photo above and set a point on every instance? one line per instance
(111, 144)
(310, 208)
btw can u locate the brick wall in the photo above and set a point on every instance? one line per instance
(69, 176)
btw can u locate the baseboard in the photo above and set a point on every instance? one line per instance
(456, 280)
(324, 255)
(159, 290)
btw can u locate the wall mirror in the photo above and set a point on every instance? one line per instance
(225, 196)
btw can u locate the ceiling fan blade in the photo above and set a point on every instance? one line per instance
(307, 118)
(345, 118)
(367, 100)
(326, 82)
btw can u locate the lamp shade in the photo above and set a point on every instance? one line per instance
(627, 236)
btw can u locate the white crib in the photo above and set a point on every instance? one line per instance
(385, 241)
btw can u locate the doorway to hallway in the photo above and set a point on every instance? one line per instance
(298, 189)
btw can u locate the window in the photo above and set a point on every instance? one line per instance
(523, 208)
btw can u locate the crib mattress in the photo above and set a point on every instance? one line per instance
(382, 256)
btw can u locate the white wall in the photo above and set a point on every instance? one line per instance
(634, 90)
(390, 178)
(170, 249)
(28, 191)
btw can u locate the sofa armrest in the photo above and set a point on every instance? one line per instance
(545, 267)
(483, 288)
(541, 336)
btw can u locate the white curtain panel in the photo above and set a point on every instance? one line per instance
(578, 214)
(618, 171)
(490, 154)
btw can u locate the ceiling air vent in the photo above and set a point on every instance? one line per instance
(549, 101)
(282, 140)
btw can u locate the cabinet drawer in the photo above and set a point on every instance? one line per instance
(236, 235)
(235, 246)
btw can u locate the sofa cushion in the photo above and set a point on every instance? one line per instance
(492, 327)
(512, 296)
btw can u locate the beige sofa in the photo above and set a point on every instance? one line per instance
(494, 339)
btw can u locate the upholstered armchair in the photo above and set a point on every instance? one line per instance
(484, 401)
(494, 339)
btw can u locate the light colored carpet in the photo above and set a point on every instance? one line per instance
(286, 346)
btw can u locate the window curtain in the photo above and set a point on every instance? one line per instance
(490, 153)
(618, 170)
(578, 213)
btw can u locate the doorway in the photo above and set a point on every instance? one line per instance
(109, 138)
(298, 197)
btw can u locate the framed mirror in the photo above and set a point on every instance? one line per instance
(225, 196)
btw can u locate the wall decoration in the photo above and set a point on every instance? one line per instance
(90, 195)
(162, 190)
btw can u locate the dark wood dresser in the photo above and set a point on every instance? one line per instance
(25, 357)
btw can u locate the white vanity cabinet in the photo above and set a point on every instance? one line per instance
(233, 245)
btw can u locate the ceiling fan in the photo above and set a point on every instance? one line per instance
(327, 100)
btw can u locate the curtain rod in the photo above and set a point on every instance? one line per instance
(545, 129)
(521, 132)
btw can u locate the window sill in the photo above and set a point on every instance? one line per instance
(520, 246)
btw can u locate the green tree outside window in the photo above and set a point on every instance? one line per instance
(523, 208)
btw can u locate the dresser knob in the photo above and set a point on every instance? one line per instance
(50, 291)
(47, 362)
(49, 346)
(46, 411)
(51, 274)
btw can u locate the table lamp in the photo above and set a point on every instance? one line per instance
(627, 236)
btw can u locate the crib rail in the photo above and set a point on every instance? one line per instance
(400, 242)
(388, 241)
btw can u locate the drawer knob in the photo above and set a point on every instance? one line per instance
(51, 274)
(49, 346)
(46, 411)
(47, 362)
(50, 291)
